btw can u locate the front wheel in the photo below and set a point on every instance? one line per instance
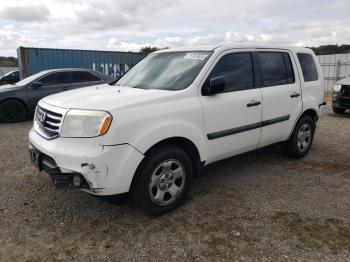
(162, 180)
(300, 142)
(12, 111)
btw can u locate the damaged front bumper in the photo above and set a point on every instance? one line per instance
(104, 170)
(48, 165)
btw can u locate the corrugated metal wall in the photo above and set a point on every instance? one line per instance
(34, 60)
(335, 67)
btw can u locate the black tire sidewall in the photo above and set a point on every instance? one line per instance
(152, 160)
(20, 117)
(338, 110)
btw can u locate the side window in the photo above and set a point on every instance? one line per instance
(238, 71)
(81, 76)
(59, 78)
(15, 74)
(275, 69)
(308, 67)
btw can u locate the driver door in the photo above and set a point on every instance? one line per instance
(232, 118)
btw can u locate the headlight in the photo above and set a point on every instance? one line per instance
(336, 88)
(85, 123)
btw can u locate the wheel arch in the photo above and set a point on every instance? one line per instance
(15, 98)
(186, 145)
(19, 100)
(309, 112)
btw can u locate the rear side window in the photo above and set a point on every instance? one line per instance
(237, 69)
(275, 69)
(59, 78)
(81, 76)
(15, 74)
(308, 67)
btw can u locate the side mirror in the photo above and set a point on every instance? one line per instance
(36, 84)
(216, 85)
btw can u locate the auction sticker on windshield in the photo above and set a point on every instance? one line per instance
(196, 56)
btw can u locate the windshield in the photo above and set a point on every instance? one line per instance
(31, 78)
(9, 73)
(166, 71)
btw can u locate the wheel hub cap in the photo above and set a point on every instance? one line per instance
(304, 137)
(167, 182)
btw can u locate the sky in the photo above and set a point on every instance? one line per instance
(130, 24)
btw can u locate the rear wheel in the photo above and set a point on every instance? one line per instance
(163, 180)
(338, 110)
(12, 111)
(300, 142)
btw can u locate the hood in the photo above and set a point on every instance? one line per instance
(345, 81)
(6, 87)
(104, 97)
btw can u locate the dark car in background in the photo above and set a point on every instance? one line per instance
(341, 96)
(10, 78)
(17, 101)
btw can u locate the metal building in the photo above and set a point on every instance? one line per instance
(335, 67)
(33, 60)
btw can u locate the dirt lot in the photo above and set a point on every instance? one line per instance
(259, 206)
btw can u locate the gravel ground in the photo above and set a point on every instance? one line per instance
(260, 206)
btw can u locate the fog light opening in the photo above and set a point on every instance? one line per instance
(77, 180)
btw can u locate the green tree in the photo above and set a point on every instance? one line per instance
(149, 49)
(331, 49)
(8, 61)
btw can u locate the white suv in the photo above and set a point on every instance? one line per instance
(174, 112)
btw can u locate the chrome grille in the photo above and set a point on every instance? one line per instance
(48, 122)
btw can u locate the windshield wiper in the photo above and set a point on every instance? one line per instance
(113, 82)
(140, 87)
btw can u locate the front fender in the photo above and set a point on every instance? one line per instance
(157, 134)
(144, 126)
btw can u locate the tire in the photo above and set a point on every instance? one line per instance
(338, 110)
(12, 111)
(162, 180)
(300, 142)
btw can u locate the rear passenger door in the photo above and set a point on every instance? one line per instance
(83, 78)
(281, 93)
(232, 118)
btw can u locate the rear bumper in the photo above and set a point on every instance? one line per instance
(107, 170)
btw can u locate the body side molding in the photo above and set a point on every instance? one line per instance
(245, 128)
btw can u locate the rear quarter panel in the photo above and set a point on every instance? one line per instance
(313, 91)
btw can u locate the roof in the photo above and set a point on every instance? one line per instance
(101, 75)
(67, 69)
(233, 46)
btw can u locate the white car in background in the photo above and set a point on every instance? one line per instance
(173, 113)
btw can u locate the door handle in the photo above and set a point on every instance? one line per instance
(65, 88)
(295, 94)
(253, 103)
